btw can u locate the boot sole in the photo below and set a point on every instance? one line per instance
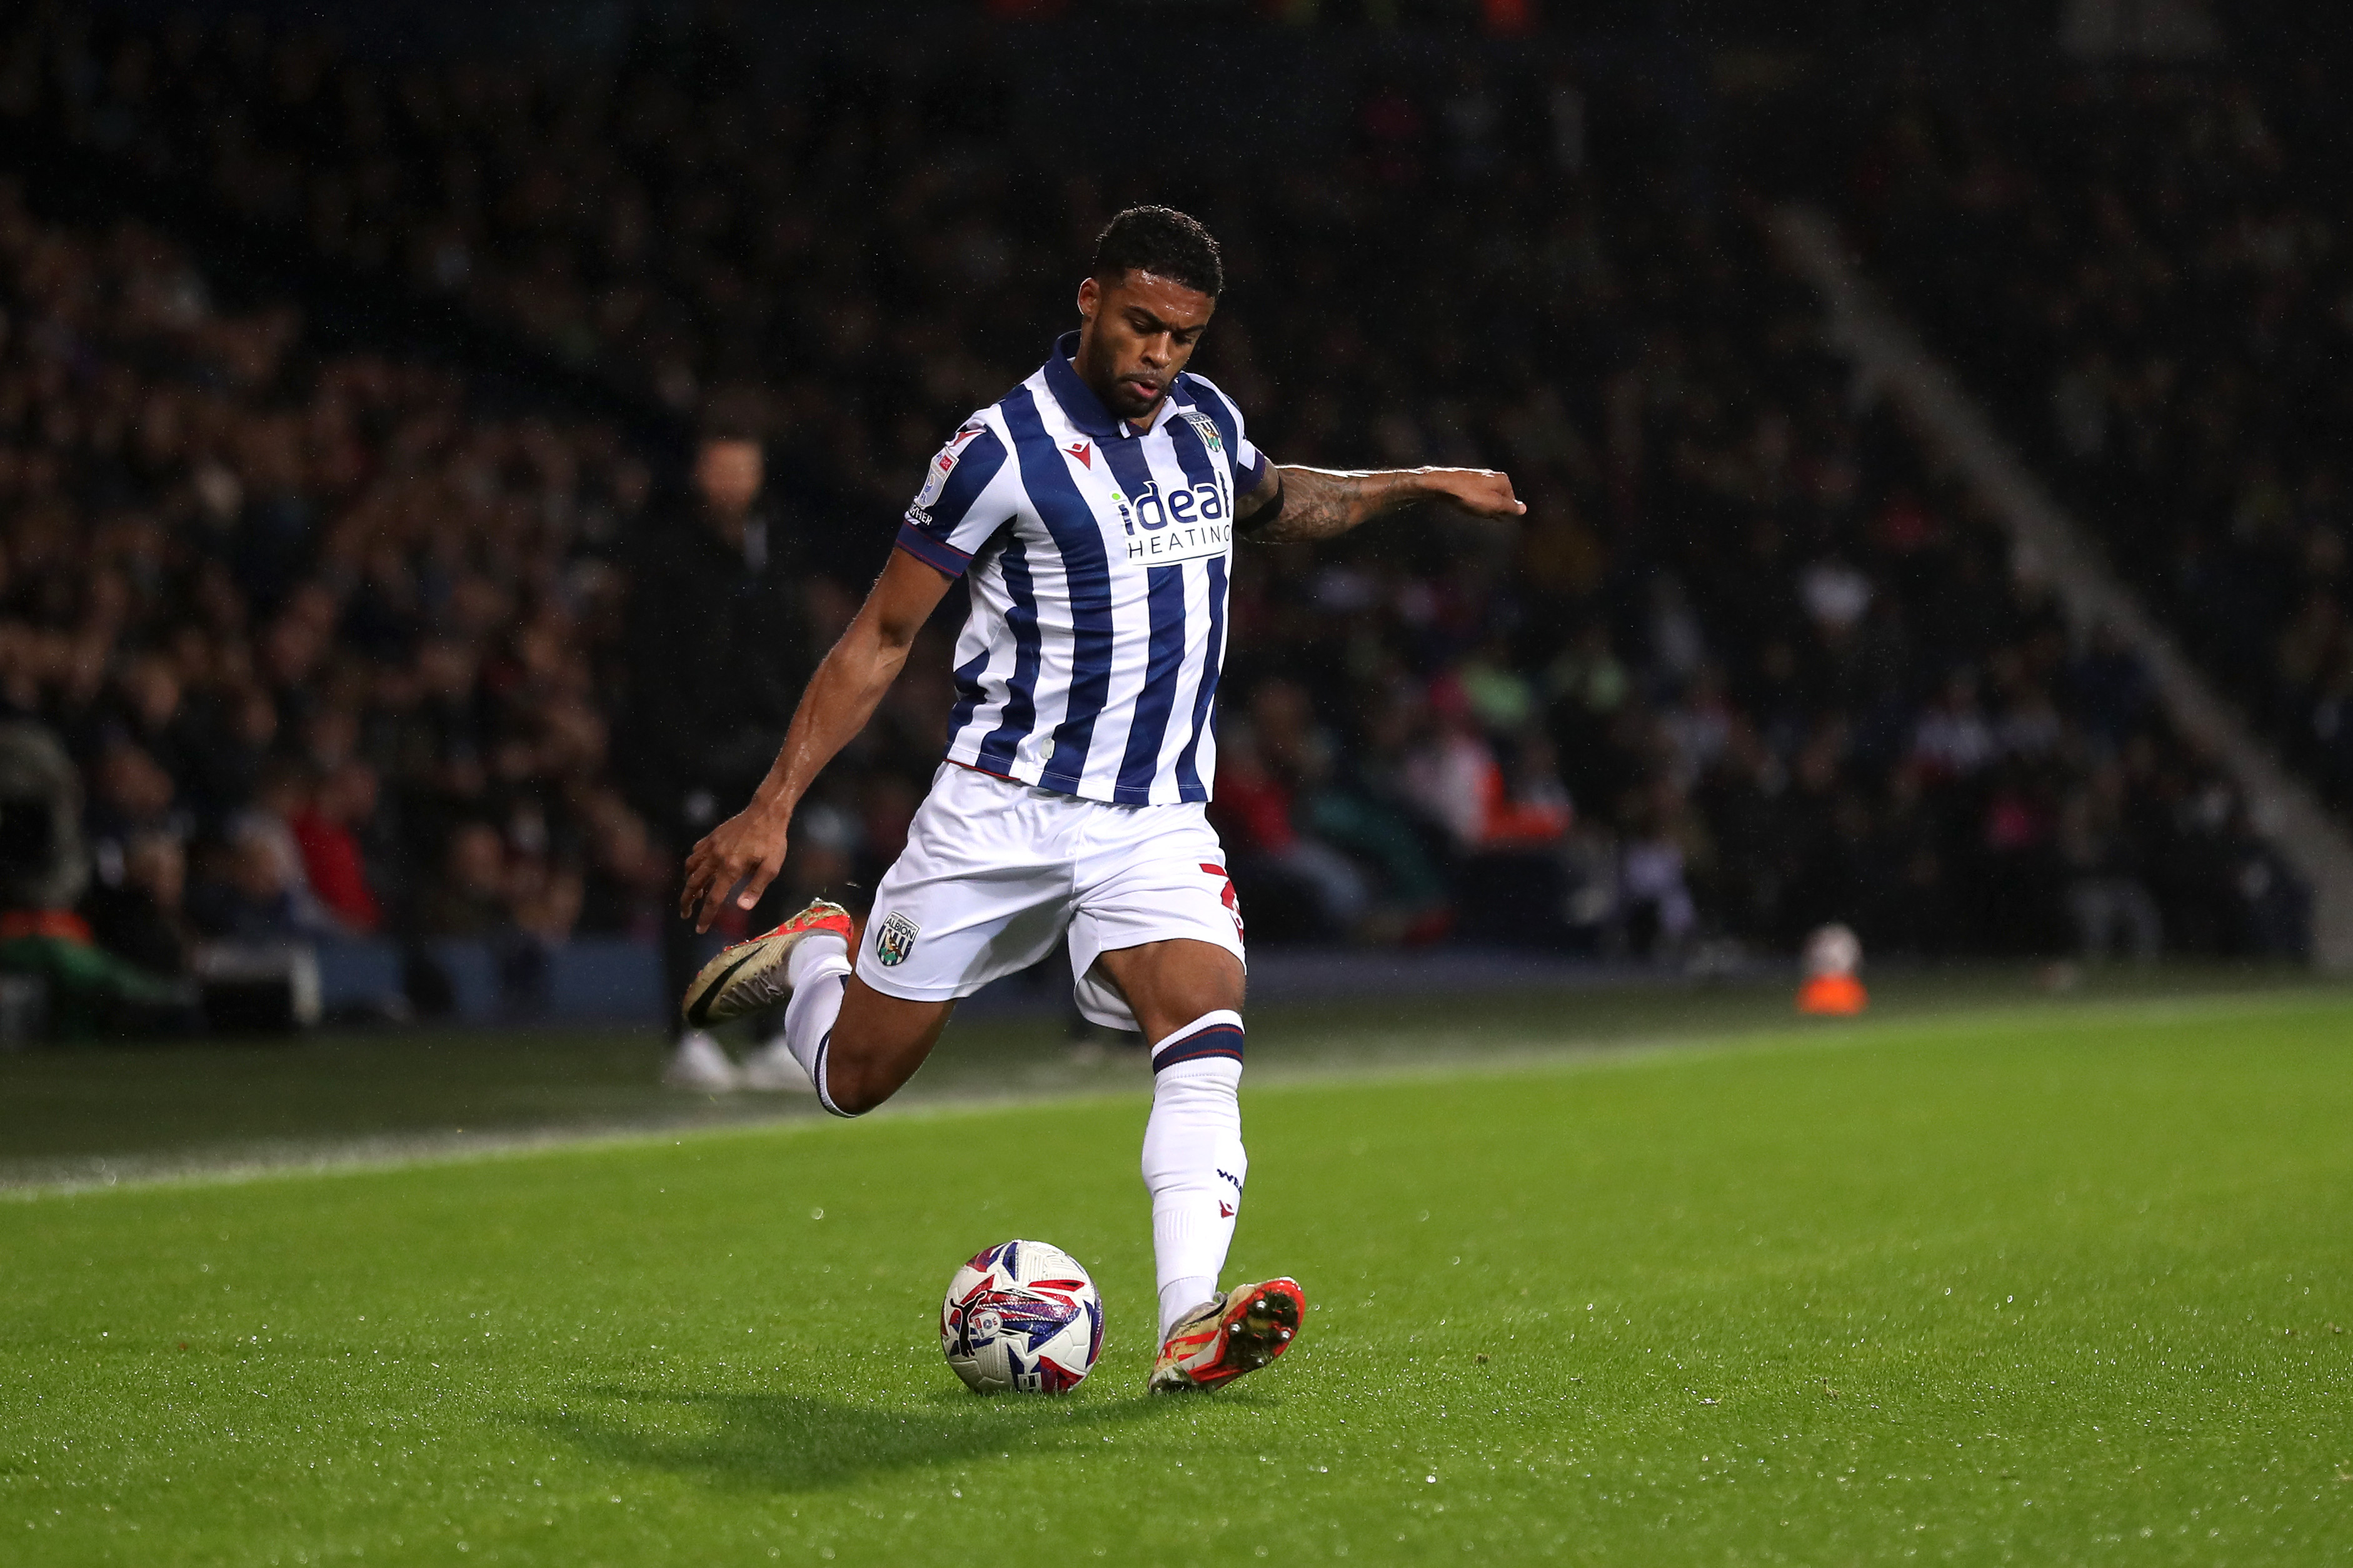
(1262, 1332)
(699, 1011)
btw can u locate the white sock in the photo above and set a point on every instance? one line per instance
(819, 971)
(1193, 1159)
(1180, 1296)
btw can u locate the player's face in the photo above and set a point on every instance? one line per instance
(1136, 332)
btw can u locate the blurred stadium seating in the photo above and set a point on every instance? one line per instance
(331, 621)
(2148, 267)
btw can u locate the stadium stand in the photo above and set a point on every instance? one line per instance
(310, 618)
(344, 622)
(2147, 267)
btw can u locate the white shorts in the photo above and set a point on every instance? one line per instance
(996, 871)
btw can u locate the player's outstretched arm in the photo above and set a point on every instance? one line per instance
(1300, 504)
(749, 846)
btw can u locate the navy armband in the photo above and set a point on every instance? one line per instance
(1266, 513)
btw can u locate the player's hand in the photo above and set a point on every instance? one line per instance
(1483, 492)
(748, 848)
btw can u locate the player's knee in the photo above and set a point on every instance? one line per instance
(1209, 988)
(876, 1045)
(852, 1087)
(858, 1076)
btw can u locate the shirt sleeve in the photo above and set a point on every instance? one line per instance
(966, 498)
(1250, 464)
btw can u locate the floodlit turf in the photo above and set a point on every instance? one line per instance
(2053, 1286)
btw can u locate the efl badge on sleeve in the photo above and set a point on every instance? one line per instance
(894, 938)
(935, 479)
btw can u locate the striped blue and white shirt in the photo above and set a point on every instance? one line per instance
(1097, 559)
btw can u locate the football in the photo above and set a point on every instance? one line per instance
(1022, 1317)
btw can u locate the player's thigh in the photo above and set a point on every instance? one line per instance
(1157, 933)
(1171, 983)
(877, 1044)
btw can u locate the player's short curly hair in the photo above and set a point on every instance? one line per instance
(1164, 242)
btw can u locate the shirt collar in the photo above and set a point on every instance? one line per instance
(1084, 410)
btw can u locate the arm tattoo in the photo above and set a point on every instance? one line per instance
(1322, 503)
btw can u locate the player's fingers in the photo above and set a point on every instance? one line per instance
(709, 877)
(724, 872)
(762, 875)
(703, 863)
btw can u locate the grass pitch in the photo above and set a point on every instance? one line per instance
(2055, 1285)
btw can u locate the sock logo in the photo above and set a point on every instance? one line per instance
(1236, 1181)
(894, 938)
(1225, 1209)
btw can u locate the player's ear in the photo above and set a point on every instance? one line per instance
(1089, 297)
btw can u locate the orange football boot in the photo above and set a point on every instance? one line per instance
(753, 974)
(1218, 1341)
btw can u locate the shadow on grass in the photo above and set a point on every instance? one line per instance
(797, 1442)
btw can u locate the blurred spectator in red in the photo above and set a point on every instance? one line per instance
(1527, 808)
(324, 831)
(1265, 849)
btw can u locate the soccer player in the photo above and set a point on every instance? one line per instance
(1093, 511)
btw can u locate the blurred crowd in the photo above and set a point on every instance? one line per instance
(323, 637)
(1748, 667)
(362, 637)
(2154, 267)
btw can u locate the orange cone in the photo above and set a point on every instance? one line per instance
(1831, 989)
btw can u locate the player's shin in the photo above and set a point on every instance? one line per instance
(820, 975)
(1193, 1160)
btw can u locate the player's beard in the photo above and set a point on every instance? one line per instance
(1125, 403)
(1109, 384)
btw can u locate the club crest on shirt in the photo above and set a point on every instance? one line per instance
(894, 938)
(1205, 428)
(935, 478)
